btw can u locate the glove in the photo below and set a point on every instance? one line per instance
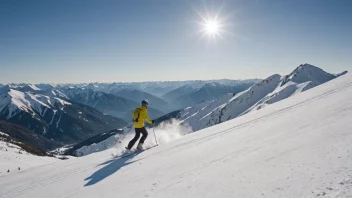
(153, 121)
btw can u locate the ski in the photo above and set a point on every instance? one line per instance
(134, 152)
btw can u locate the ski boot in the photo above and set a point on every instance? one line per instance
(140, 147)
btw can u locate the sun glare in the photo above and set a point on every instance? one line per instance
(211, 27)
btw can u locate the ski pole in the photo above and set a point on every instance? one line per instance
(155, 135)
(125, 134)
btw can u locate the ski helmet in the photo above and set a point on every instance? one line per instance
(145, 102)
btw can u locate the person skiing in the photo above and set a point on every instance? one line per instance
(140, 115)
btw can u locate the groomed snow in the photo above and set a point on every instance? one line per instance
(298, 147)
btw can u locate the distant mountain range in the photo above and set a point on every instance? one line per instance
(129, 95)
(107, 103)
(137, 96)
(157, 88)
(209, 91)
(178, 92)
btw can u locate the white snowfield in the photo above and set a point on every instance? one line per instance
(298, 147)
(16, 160)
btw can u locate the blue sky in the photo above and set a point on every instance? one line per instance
(142, 40)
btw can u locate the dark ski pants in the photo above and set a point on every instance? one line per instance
(136, 137)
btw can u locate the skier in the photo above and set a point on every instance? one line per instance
(139, 115)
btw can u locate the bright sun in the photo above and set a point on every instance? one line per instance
(211, 27)
(213, 23)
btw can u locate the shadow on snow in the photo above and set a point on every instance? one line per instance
(112, 166)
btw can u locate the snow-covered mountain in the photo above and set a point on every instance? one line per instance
(269, 91)
(25, 87)
(301, 79)
(42, 89)
(294, 148)
(53, 117)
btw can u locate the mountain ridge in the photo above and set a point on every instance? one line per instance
(271, 90)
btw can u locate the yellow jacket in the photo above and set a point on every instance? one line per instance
(143, 115)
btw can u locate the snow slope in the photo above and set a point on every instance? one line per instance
(12, 158)
(299, 147)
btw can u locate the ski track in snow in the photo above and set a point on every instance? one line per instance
(298, 147)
